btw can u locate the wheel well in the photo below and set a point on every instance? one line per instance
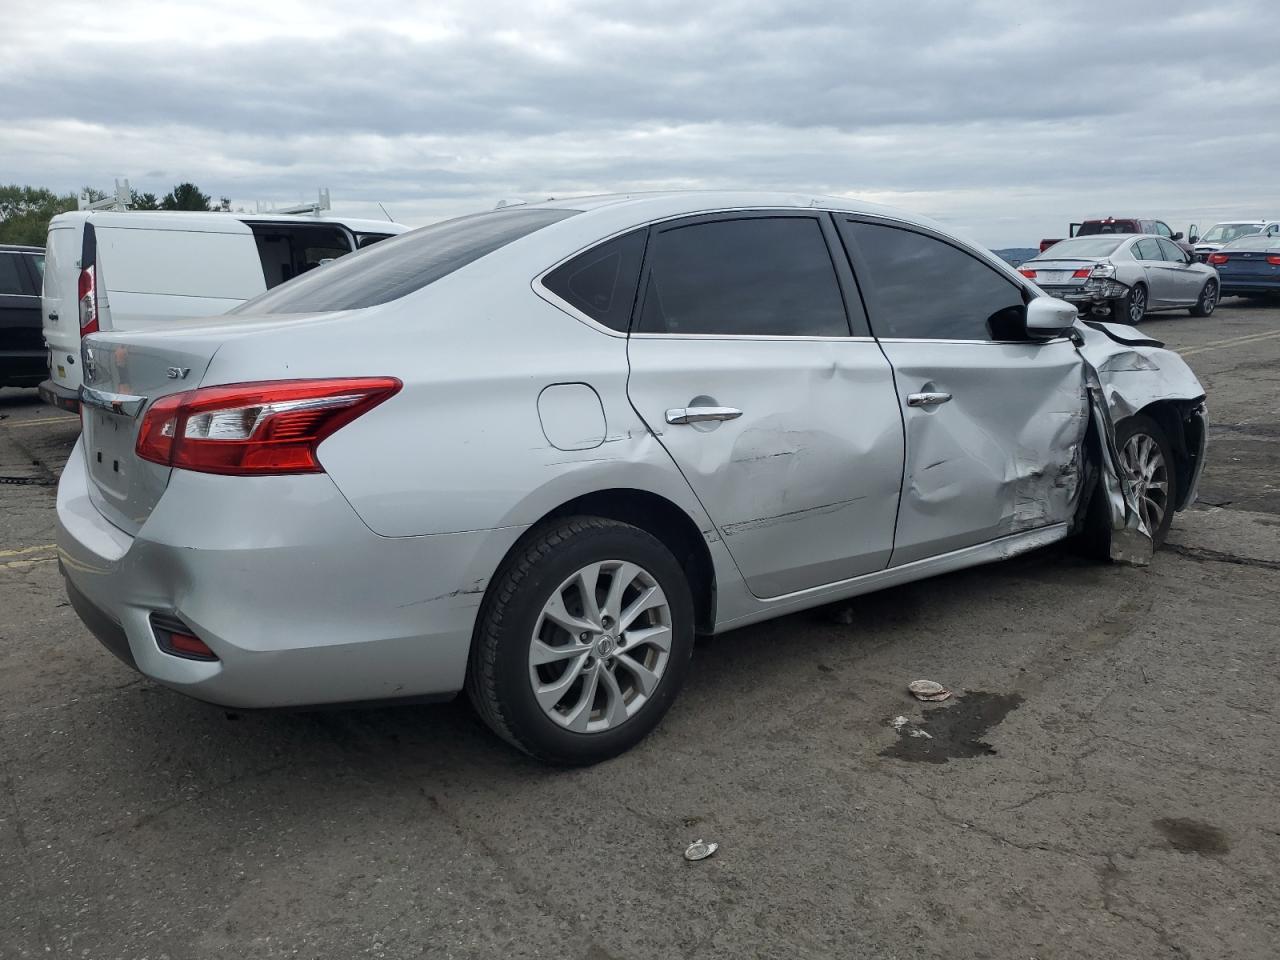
(661, 518)
(1185, 434)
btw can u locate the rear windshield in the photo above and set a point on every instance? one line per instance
(1254, 243)
(399, 266)
(1094, 227)
(1082, 247)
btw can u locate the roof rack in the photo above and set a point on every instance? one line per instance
(121, 201)
(320, 205)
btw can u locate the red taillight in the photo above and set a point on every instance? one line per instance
(1273, 260)
(1082, 274)
(191, 646)
(1029, 274)
(255, 428)
(87, 295)
(1217, 258)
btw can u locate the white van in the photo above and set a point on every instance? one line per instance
(122, 270)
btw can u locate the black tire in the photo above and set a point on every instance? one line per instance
(1133, 306)
(1142, 425)
(498, 674)
(1208, 301)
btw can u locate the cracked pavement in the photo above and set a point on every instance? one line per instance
(1129, 808)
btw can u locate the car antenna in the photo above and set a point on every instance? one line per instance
(384, 211)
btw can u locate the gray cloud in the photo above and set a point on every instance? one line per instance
(1004, 118)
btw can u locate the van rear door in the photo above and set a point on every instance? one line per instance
(60, 319)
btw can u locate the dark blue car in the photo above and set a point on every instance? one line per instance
(1248, 267)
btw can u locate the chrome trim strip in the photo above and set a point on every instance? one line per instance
(122, 403)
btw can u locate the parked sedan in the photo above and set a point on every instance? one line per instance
(23, 358)
(532, 452)
(1125, 276)
(1249, 266)
(1220, 234)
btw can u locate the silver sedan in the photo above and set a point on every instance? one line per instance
(531, 453)
(1125, 276)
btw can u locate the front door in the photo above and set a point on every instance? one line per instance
(784, 424)
(994, 422)
(1163, 283)
(1184, 279)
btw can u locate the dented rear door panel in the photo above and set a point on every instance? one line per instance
(1001, 456)
(803, 486)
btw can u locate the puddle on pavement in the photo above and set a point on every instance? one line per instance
(954, 731)
(1193, 836)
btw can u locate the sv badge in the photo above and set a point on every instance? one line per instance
(177, 373)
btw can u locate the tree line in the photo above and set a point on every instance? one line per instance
(25, 211)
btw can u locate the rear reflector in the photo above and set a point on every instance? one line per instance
(272, 427)
(175, 637)
(1216, 258)
(1082, 274)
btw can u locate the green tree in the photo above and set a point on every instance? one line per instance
(25, 212)
(143, 201)
(187, 196)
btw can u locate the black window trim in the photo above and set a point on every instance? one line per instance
(849, 298)
(28, 276)
(859, 264)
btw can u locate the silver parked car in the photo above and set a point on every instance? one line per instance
(532, 452)
(1124, 275)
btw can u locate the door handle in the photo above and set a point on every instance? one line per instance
(926, 399)
(53, 315)
(701, 414)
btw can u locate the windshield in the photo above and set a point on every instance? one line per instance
(394, 268)
(1254, 243)
(1226, 232)
(1081, 247)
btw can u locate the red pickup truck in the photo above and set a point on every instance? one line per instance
(1120, 225)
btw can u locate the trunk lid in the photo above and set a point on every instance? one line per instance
(122, 376)
(1250, 264)
(1058, 273)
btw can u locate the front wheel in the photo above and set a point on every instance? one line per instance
(1208, 300)
(1146, 456)
(583, 641)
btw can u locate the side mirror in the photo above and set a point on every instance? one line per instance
(1193, 233)
(1049, 317)
(1178, 235)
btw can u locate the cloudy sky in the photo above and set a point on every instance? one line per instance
(1005, 119)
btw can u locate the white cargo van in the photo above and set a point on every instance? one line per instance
(121, 270)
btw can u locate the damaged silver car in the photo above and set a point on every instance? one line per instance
(531, 453)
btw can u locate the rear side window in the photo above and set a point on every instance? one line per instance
(11, 275)
(395, 268)
(602, 282)
(289, 250)
(919, 287)
(767, 276)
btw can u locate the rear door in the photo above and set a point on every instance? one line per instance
(61, 319)
(1162, 285)
(782, 417)
(994, 422)
(21, 353)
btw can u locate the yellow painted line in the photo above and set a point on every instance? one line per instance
(1236, 341)
(20, 552)
(19, 564)
(37, 423)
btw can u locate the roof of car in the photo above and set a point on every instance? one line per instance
(20, 248)
(696, 200)
(217, 221)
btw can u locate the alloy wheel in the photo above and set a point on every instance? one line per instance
(1209, 298)
(1137, 304)
(600, 646)
(1148, 474)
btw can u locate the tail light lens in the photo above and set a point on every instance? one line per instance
(1029, 274)
(1217, 258)
(87, 296)
(1082, 274)
(242, 429)
(1273, 260)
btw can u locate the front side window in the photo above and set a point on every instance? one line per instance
(757, 276)
(1171, 252)
(602, 281)
(397, 267)
(922, 288)
(1162, 229)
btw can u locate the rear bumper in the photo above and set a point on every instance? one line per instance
(59, 396)
(300, 601)
(1230, 286)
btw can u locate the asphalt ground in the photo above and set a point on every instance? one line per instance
(1104, 785)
